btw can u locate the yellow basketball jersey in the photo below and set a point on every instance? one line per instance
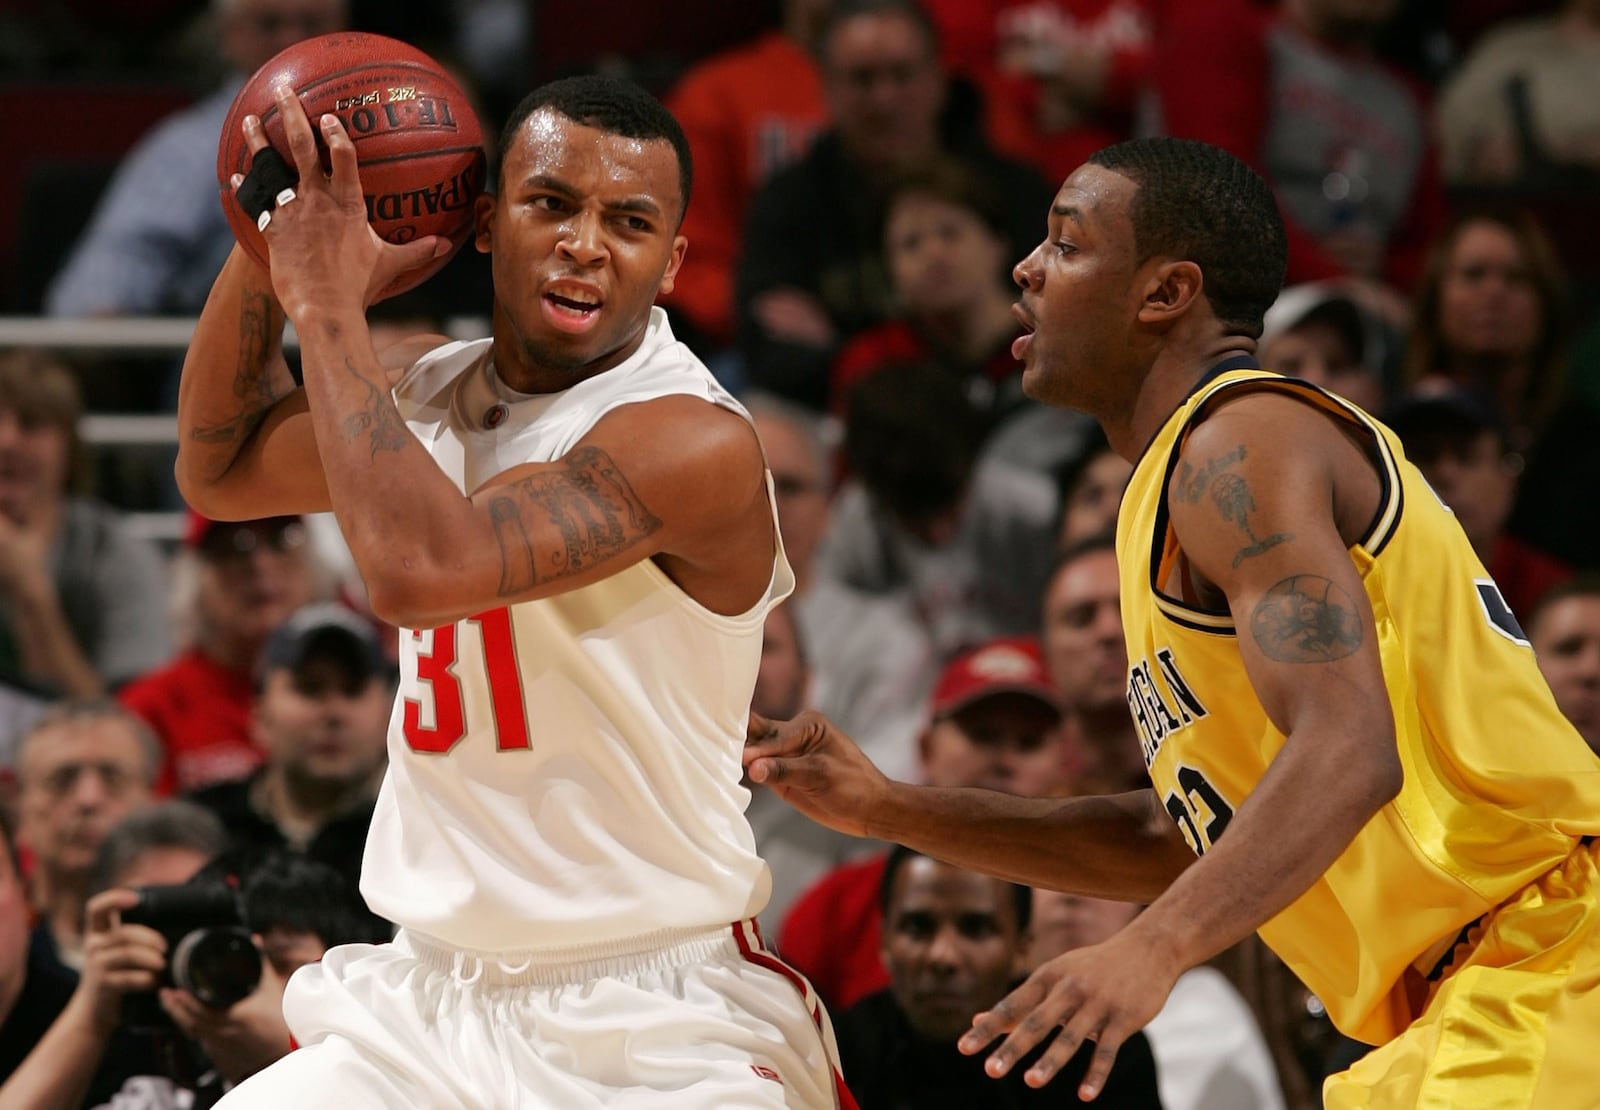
(1498, 785)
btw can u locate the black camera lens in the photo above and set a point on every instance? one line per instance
(218, 966)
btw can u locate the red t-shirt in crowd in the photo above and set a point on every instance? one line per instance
(201, 711)
(894, 343)
(833, 934)
(747, 114)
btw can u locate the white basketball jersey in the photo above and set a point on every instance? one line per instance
(566, 772)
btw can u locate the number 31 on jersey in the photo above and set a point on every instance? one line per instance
(436, 670)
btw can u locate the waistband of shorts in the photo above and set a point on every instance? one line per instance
(575, 964)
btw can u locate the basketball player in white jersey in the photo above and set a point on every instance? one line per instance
(572, 526)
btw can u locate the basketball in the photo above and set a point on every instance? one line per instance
(417, 139)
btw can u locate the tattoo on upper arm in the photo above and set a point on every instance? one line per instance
(253, 383)
(590, 503)
(1306, 619)
(1232, 497)
(379, 418)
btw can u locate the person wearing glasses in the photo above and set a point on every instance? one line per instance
(84, 766)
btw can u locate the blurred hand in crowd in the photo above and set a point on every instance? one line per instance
(244, 1038)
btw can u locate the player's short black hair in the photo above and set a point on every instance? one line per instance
(611, 104)
(1197, 202)
(1021, 896)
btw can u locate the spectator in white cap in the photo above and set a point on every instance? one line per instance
(994, 722)
(1322, 332)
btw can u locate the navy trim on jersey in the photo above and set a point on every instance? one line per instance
(1378, 532)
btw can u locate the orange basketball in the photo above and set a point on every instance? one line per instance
(417, 139)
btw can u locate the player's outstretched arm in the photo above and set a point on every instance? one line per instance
(1260, 502)
(1114, 846)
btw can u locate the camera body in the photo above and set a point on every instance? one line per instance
(210, 952)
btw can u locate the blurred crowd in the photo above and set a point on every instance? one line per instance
(212, 710)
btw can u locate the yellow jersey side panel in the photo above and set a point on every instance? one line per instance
(1497, 784)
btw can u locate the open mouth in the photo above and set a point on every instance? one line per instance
(1019, 346)
(570, 307)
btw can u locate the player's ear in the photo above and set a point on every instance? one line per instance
(1172, 288)
(483, 219)
(680, 247)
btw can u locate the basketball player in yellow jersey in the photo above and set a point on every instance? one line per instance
(1351, 748)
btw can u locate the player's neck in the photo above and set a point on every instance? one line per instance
(1172, 376)
(527, 368)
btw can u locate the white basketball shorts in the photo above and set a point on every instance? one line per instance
(706, 1020)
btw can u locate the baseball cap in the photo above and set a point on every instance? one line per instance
(323, 630)
(1331, 303)
(1013, 665)
(198, 529)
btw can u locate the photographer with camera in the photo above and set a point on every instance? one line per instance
(90, 1055)
(182, 994)
(295, 909)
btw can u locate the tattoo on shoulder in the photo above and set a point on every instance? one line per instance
(377, 418)
(589, 501)
(1192, 483)
(253, 386)
(1306, 619)
(1232, 497)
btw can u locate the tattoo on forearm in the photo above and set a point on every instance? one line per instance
(253, 386)
(379, 419)
(590, 503)
(1232, 497)
(1306, 619)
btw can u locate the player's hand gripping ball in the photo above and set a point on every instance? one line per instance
(418, 142)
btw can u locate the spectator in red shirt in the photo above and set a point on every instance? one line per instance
(747, 112)
(1296, 90)
(995, 723)
(1068, 77)
(945, 245)
(246, 578)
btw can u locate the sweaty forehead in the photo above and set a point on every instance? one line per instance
(592, 160)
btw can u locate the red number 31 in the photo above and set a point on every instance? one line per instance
(449, 718)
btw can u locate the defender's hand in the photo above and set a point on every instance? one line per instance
(1104, 993)
(817, 769)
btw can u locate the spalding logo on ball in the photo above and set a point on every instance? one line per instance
(418, 142)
